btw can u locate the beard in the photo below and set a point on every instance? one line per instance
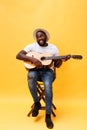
(42, 42)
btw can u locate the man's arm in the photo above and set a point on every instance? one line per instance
(22, 56)
(58, 63)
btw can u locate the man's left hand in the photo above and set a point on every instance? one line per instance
(67, 57)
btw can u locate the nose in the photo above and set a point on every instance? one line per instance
(40, 38)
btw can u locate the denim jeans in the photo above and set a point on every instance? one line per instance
(47, 76)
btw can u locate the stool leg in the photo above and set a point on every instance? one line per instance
(30, 110)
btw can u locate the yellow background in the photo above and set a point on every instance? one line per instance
(66, 22)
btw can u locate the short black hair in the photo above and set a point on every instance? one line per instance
(42, 32)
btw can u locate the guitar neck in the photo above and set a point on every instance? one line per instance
(55, 57)
(63, 57)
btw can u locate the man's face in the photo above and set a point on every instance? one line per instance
(41, 38)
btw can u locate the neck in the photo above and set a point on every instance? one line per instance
(43, 45)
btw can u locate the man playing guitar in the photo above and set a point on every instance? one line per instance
(39, 71)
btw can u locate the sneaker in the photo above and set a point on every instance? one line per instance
(36, 108)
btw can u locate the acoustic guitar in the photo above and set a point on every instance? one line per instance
(46, 58)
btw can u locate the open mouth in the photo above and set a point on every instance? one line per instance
(41, 40)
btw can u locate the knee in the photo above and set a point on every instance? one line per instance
(30, 76)
(48, 87)
(48, 84)
(31, 80)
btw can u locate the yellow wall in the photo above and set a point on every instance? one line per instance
(66, 22)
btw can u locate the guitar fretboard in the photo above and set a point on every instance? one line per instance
(55, 57)
(63, 57)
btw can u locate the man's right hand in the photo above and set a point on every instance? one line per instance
(36, 62)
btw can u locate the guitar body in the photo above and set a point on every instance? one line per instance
(38, 56)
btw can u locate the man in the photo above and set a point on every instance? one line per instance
(41, 72)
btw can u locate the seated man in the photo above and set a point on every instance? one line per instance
(40, 71)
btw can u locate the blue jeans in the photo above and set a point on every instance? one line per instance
(47, 76)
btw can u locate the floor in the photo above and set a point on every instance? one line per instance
(70, 115)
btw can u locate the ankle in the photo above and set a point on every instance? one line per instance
(38, 104)
(48, 115)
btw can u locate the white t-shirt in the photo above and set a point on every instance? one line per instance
(51, 49)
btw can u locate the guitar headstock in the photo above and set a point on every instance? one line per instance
(77, 57)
